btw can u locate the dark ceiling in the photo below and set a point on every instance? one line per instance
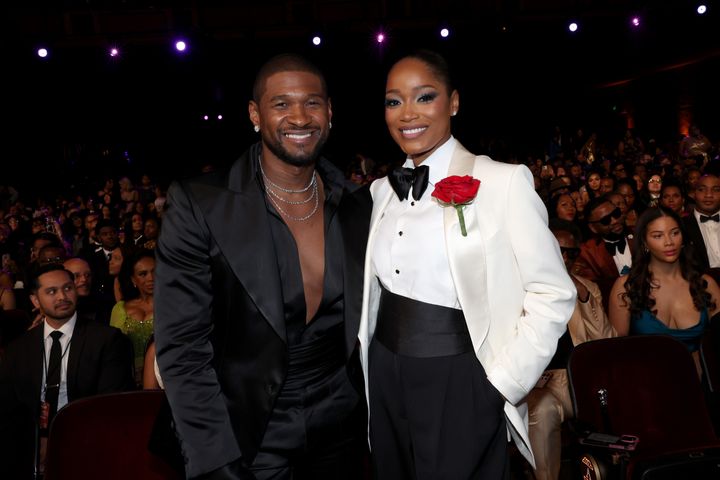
(520, 70)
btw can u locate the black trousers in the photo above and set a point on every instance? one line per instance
(434, 418)
(316, 432)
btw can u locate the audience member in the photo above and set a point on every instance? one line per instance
(43, 370)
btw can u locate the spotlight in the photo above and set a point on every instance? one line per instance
(701, 9)
(180, 46)
(444, 33)
(114, 52)
(573, 27)
(205, 117)
(220, 117)
(316, 40)
(42, 52)
(380, 37)
(635, 21)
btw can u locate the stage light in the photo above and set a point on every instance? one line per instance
(114, 52)
(573, 27)
(380, 37)
(701, 9)
(220, 117)
(444, 33)
(42, 52)
(180, 46)
(205, 117)
(635, 21)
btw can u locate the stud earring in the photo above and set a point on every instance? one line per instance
(454, 113)
(256, 128)
(329, 124)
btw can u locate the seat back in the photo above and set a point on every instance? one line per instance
(107, 437)
(652, 391)
(13, 323)
(710, 355)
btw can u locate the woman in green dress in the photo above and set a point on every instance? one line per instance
(134, 314)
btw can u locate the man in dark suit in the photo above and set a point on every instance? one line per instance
(258, 296)
(106, 233)
(608, 253)
(93, 359)
(703, 224)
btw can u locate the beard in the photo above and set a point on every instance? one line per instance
(302, 158)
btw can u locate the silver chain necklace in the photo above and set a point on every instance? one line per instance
(269, 190)
(313, 182)
(299, 219)
(314, 194)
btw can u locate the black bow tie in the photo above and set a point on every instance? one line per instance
(714, 218)
(613, 247)
(402, 179)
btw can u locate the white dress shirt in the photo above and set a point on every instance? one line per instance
(409, 255)
(623, 261)
(711, 236)
(67, 331)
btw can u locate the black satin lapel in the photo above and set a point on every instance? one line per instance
(77, 343)
(35, 361)
(354, 215)
(238, 221)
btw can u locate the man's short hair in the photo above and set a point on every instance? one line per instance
(40, 270)
(285, 62)
(595, 203)
(104, 222)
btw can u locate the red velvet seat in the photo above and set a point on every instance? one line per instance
(106, 437)
(652, 391)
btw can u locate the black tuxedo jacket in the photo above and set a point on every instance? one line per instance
(695, 238)
(219, 320)
(99, 361)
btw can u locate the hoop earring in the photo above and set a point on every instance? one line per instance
(256, 128)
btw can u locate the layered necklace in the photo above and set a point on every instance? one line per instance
(272, 189)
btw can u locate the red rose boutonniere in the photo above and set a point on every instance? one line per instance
(456, 191)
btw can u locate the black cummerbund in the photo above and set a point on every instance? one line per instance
(417, 329)
(316, 360)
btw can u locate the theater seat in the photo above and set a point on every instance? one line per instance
(653, 392)
(106, 437)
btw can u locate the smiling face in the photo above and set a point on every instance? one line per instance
(293, 114)
(418, 107)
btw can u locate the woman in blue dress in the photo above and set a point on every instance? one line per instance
(665, 292)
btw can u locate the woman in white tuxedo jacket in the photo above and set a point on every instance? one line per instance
(465, 293)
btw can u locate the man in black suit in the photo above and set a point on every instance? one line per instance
(94, 359)
(703, 224)
(106, 233)
(258, 296)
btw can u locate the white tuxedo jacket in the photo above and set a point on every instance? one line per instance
(509, 275)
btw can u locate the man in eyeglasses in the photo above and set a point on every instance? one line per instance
(608, 253)
(549, 403)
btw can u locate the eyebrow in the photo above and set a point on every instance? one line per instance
(295, 95)
(419, 87)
